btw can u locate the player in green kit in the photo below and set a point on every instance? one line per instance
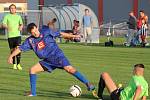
(14, 24)
(137, 88)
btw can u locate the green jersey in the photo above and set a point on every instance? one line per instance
(12, 21)
(129, 91)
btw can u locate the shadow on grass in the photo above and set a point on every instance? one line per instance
(103, 45)
(106, 97)
(53, 94)
(66, 95)
(50, 94)
(10, 91)
(62, 95)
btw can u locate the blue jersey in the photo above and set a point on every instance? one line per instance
(45, 45)
(87, 20)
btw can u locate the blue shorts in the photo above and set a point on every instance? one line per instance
(54, 62)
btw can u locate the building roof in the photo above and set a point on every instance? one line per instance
(13, 1)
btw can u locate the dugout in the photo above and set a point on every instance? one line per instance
(65, 14)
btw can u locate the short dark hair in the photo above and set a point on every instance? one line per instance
(139, 65)
(142, 11)
(86, 9)
(131, 11)
(54, 20)
(30, 27)
(12, 5)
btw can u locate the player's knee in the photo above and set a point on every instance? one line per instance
(70, 69)
(12, 50)
(32, 70)
(104, 75)
(18, 56)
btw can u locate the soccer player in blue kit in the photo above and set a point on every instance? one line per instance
(42, 42)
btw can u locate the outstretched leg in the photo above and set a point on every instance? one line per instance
(106, 81)
(79, 76)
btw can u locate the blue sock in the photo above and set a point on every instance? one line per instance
(33, 83)
(80, 77)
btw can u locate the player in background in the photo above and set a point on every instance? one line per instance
(75, 31)
(43, 44)
(142, 18)
(51, 24)
(87, 24)
(137, 89)
(14, 24)
(132, 28)
(143, 33)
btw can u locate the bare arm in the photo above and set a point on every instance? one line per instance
(20, 27)
(91, 22)
(146, 19)
(144, 98)
(137, 92)
(69, 36)
(14, 53)
(3, 26)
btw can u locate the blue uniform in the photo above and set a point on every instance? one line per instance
(45, 48)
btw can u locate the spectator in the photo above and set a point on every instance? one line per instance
(143, 33)
(143, 19)
(51, 24)
(75, 31)
(132, 26)
(143, 16)
(87, 26)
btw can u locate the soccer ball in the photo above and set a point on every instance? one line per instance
(75, 91)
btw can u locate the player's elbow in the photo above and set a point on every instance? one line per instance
(62, 34)
(139, 88)
(65, 35)
(4, 26)
(144, 98)
(104, 74)
(18, 50)
(137, 92)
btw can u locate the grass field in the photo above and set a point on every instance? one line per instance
(90, 60)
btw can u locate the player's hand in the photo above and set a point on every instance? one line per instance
(1, 26)
(10, 60)
(77, 36)
(20, 28)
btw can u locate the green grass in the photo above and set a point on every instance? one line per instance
(90, 60)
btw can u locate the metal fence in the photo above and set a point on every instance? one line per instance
(116, 29)
(41, 17)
